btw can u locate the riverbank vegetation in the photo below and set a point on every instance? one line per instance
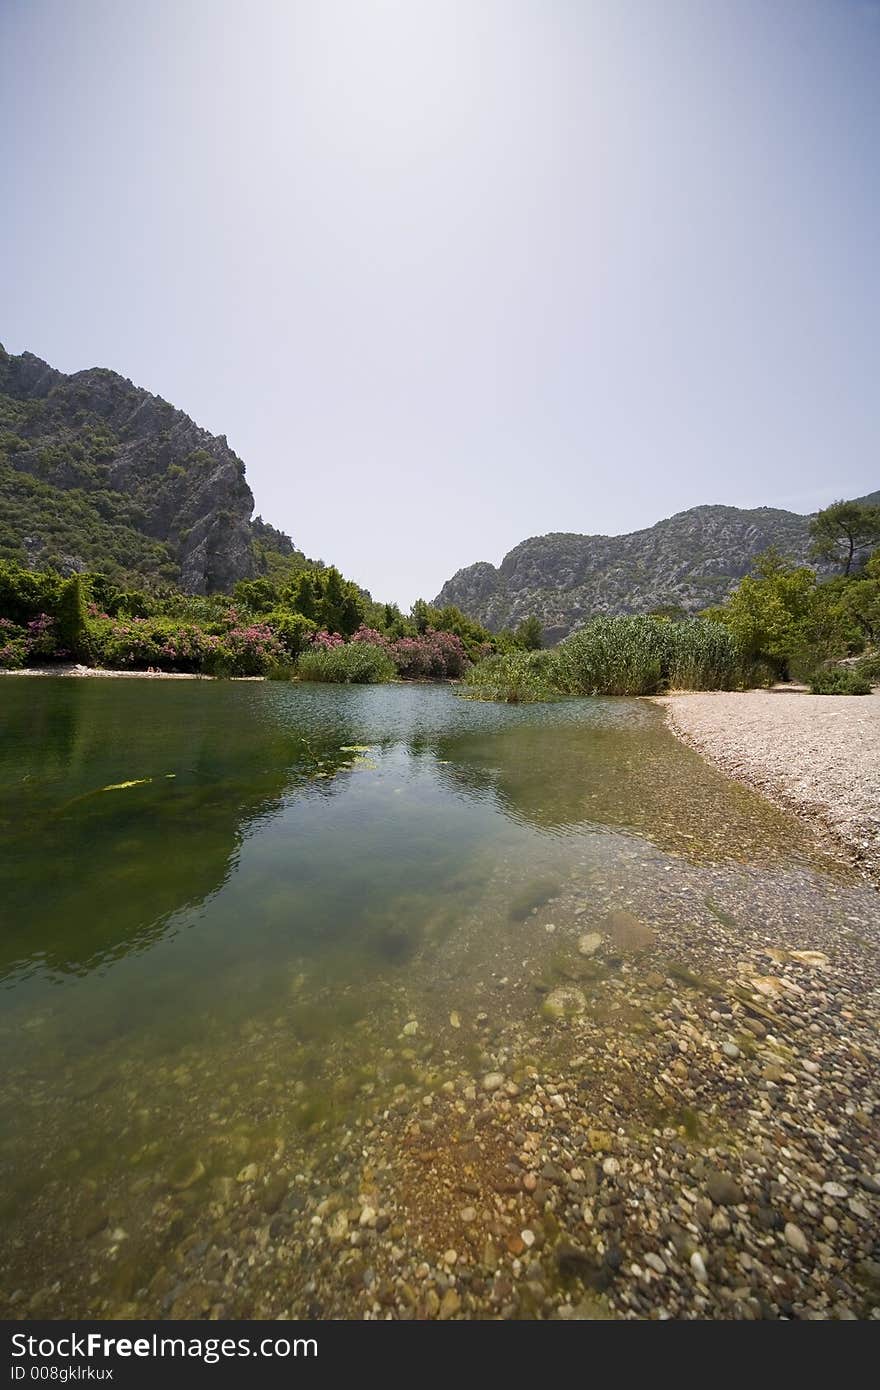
(319, 626)
(781, 622)
(802, 627)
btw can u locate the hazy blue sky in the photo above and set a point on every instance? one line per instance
(450, 273)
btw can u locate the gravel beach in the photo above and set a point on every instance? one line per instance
(818, 756)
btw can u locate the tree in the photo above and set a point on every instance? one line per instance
(304, 594)
(327, 599)
(342, 606)
(859, 599)
(772, 613)
(421, 615)
(256, 595)
(529, 634)
(293, 630)
(73, 630)
(843, 530)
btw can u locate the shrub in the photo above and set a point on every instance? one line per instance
(131, 604)
(517, 678)
(529, 635)
(371, 636)
(325, 641)
(869, 668)
(13, 645)
(26, 593)
(165, 644)
(355, 663)
(430, 656)
(293, 630)
(42, 639)
(251, 650)
(839, 680)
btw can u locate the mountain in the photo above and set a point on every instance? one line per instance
(96, 473)
(688, 561)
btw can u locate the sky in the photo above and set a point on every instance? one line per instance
(451, 273)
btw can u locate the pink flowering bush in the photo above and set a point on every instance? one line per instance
(20, 645)
(41, 636)
(430, 656)
(325, 641)
(230, 647)
(250, 650)
(371, 636)
(13, 645)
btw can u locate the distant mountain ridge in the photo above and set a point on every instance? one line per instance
(96, 473)
(688, 561)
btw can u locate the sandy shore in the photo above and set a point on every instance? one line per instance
(78, 671)
(818, 756)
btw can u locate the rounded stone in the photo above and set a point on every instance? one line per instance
(795, 1238)
(590, 943)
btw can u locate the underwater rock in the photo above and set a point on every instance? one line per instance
(589, 943)
(724, 1189)
(628, 933)
(564, 1002)
(186, 1172)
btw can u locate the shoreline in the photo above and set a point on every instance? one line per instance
(817, 757)
(74, 671)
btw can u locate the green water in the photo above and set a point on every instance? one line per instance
(218, 961)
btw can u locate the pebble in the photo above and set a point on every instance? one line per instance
(450, 1304)
(493, 1080)
(795, 1237)
(724, 1189)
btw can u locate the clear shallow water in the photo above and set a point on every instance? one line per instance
(216, 963)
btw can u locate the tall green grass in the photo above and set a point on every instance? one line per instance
(516, 678)
(355, 663)
(637, 655)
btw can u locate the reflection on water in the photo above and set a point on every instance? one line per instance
(222, 901)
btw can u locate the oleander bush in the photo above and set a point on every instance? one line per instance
(13, 645)
(431, 655)
(233, 648)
